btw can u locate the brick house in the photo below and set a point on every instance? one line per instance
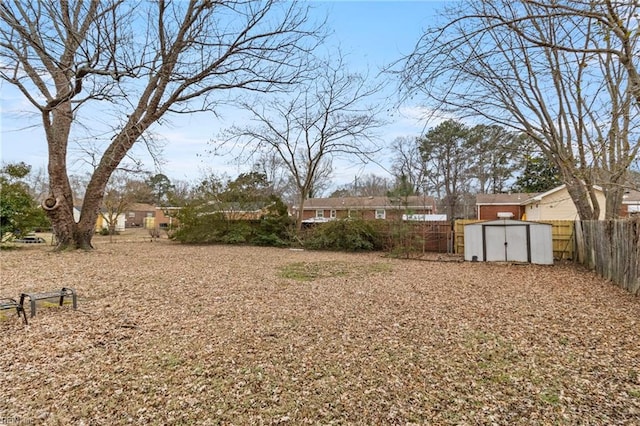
(368, 208)
(492, 206)
(138, 215)
(165, 217)
(555, 204)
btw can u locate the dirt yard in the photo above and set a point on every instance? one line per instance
(174, 334)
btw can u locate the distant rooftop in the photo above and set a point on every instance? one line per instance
(506, 199)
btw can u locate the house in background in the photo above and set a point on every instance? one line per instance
(138, 214)
(416, 207)
(631, 203)
(101, 222)
(555, 204)
(164, 218)
(494, 206)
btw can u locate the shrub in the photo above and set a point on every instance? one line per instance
(235, 232)
(274, 229)
(202, 227)
(344, 235)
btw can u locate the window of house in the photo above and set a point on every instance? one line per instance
(132, 214)
(319, 213)
(149, 214)
(380, 214)
(333, 214)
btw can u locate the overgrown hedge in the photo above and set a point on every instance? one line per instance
(198, 227)
(276, 230)
(344, 235)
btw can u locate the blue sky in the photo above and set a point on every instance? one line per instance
(371, 34)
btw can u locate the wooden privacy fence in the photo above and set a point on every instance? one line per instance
(562, 234)
(417, 237)
(439, 237)
(612, 248)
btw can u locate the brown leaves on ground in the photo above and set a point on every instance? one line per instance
(174, 334)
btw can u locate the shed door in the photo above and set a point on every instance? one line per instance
(506, 243)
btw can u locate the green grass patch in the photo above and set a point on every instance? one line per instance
(309, 271)
(550, 396)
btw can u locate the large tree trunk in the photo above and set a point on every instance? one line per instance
(581, 198)
(59, 204)
(300, 215)
(68, 233)
(614, 193)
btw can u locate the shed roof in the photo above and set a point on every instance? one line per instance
(507, 222)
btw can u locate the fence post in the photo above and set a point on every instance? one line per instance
(580, 249)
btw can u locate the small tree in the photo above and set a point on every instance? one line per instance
(116, 201)
(238, 211)
(19, 212)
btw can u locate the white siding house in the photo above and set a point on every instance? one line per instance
(557, 204)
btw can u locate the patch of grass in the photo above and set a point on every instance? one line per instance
(380, 267)
(635, 393)
(309, 271)
(550, 396)
(171, 361)
(50, 303)
(300, 271)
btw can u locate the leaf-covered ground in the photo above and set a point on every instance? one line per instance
(174, 334)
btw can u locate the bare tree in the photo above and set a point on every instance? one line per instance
(272, 166)
(327, 118)
(615, 23)
(562, 74)
(371, 185)
(38, 184)
(407, 162)
(117, 199)
(140, 62)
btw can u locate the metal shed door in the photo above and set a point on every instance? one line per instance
(506, 243)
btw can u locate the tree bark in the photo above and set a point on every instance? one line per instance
(300, 214)
(581, 197)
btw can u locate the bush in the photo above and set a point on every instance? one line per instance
(344, 235)
(235, 232)
(199, 227)
(274, 229)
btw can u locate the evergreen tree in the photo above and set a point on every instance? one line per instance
(19, 212)
(539, 175)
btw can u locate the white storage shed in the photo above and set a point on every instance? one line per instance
(506, 240)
